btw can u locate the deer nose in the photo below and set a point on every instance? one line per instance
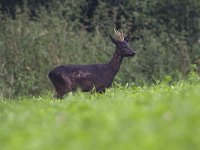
(132, 53)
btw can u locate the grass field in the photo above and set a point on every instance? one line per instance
(134, 118)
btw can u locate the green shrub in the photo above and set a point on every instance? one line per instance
(43, 35)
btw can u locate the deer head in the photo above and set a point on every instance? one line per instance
(121, 43)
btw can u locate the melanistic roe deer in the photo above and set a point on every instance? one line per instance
(67, 78)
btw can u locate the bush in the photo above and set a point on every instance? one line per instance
(38, 36)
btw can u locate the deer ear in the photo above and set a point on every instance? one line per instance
(127, 38)
(112, 39)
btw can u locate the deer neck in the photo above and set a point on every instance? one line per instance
(116, 61)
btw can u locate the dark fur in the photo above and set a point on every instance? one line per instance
(66, 78)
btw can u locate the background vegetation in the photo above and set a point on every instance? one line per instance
(35, 36)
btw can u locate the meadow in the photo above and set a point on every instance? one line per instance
(162, 116)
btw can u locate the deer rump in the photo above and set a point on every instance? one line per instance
(86, 77)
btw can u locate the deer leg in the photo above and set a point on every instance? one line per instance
(101, 90)
(66, 87)
(63, 89)
(61, 85)
(60, 94)
(60, 90)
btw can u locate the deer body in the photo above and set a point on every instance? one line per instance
(66, 78)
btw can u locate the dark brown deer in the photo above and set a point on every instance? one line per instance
(67, 78)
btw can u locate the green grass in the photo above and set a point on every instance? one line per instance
(134, 118)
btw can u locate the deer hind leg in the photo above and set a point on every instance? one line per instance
(101, 90)
(61, 85)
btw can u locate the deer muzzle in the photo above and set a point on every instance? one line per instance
(130, 54)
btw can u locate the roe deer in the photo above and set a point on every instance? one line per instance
(67, 78)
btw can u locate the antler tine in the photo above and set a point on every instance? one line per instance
(119, 34)
(122, 34)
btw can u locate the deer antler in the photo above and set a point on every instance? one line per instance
(119, 34)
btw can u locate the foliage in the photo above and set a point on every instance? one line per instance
(130, 117)
(35, 36)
